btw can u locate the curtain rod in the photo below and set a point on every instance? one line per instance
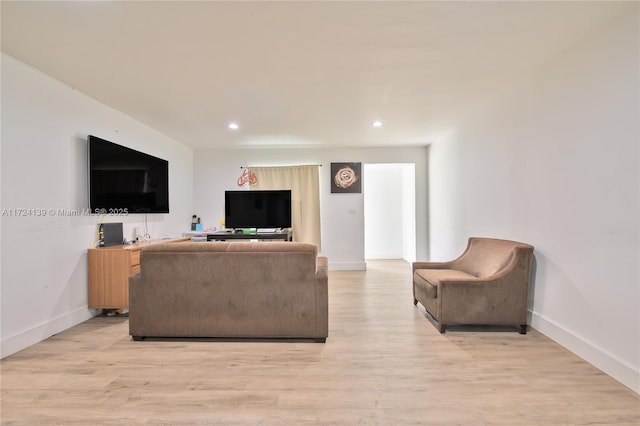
(247, 167)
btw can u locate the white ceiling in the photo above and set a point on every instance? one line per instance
(295, 73)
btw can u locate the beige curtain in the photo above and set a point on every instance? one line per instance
(304, 183)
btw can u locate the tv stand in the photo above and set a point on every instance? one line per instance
(108, 274)
(285, 235)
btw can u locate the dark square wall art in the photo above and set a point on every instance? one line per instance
(346, 178)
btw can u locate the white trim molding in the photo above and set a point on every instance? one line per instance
(618, 369)
(22, 340)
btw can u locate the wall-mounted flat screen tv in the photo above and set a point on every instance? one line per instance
(122, 178)
(257, 209)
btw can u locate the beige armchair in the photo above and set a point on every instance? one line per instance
(488, 284)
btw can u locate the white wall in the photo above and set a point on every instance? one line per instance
(44, 166)
(408, 207)
(555, 163)
(342, 218)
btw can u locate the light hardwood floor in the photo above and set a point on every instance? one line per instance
(383, 364)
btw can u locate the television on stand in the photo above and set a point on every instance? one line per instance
(261, 209)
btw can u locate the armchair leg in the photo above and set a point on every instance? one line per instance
(523, 328)
(415, 301)
(441, 328)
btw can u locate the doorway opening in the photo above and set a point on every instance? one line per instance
(389, 211)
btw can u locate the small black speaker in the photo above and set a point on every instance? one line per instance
(111, 234)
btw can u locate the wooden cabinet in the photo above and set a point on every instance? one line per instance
(109, 270)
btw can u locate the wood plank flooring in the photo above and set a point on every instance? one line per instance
(383, 364)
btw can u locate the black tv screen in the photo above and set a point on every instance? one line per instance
(257, 209)
(123, 179)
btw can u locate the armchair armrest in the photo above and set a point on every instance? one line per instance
(432, 265)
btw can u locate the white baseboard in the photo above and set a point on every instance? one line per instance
(600, 358)
(13, 344)
(347, 266)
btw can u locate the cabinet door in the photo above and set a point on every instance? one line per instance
(109, 278)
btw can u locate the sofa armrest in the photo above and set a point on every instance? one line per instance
(134, 285)
(321, 267)
(322, 297)
(135, 293)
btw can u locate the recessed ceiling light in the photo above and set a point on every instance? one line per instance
(377, 123)
(233, 126)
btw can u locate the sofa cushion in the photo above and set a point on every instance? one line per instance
(428, 279)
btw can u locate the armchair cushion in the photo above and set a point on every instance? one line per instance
(428, 279)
